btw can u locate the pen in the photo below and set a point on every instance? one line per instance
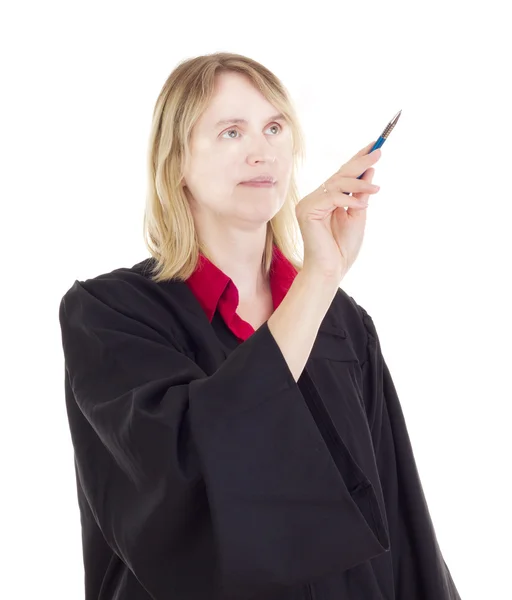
(382, 138)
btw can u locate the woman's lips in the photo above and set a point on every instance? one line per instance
(263, 184)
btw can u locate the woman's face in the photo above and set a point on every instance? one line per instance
(225, 154)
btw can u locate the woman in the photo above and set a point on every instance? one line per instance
(235, 427)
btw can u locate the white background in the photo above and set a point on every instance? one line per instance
(79, 83)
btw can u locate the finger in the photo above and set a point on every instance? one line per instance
(321, 202)
(350, 202)
(359, 163)
(360, 198)
(352, 185)
(358, 211)
(367, 177)
(365, 150)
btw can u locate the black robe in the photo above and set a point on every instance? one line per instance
(204, 471)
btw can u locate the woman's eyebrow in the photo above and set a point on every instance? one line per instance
(278, 117)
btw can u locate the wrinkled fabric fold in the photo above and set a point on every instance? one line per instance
(181, 471)
(419, 569)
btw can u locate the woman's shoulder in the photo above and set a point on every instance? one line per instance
(130, 291)
(347, 312)
(348, 319)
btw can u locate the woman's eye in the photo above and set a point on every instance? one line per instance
(234, 138)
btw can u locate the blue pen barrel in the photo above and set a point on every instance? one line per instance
(377, 144)
(382, 138)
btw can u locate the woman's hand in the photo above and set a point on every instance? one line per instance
(332, 235)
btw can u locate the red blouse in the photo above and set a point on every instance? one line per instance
(214, 289)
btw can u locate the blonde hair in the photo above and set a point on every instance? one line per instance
(169, 231)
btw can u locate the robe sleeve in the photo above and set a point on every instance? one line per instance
(160, 437)
(420, 570)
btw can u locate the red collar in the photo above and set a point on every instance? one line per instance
(214, 289)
